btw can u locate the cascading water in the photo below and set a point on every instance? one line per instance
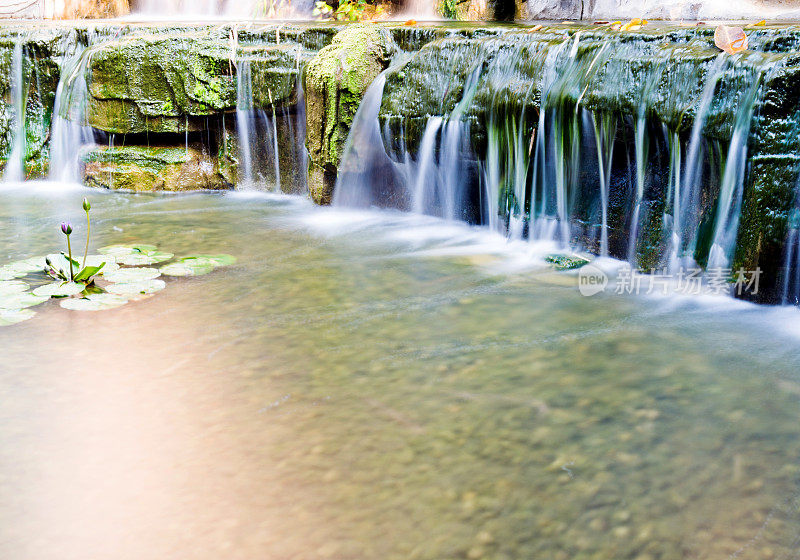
(71, 135)
(244, 110)
(261, 152)
(605, 130)
(674, 201)
(15, 168)
(731, 189)
(685, 217)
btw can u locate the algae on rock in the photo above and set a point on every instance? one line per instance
(137, 168)
(335, 82)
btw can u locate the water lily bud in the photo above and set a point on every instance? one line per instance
(66, 227)
(86, 205)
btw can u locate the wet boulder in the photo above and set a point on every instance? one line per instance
(335, 82)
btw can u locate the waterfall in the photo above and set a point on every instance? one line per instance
(259, 138)
(70, 133)
(495, 156)
(364, 159)
(791, 270)
(244, 110)
(685, 218)
(15, 167)
(731, 190)
(605, 130)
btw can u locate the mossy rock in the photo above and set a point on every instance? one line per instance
(138, 168)
(146, 83)
(40, 76)
(335, 82)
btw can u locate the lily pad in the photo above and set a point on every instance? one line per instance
(25, 266)
(132, 289)
(216, 260)
(7, 274)
(122, 250)
(21, 300)
(60, 289)
(96, 260)
(94, 302)
(14, 316)
(60, 262)
(13, 287)
(128, 275)
(191, 268)
(144, 258)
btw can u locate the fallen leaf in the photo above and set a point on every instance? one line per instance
(761, 23)
(410, 22)
(632, 25)
(601, 22)
(730, 39)
(535, 28)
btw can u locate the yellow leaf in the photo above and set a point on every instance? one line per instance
(632, 25)
(730, 39)
(761, 23)
(535, 28)
(410, 22)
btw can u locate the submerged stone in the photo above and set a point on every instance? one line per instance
(335, 82)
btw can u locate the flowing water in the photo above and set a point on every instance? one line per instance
(371, 384)
(15, 168)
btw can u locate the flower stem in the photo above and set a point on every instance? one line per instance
(88, 231)
(69, 252)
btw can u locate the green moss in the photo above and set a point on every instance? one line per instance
(140, 168)
(335, 82)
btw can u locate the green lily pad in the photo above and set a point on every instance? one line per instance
(13, 287)
(128, 275)
(60, 289)
(8, 275)
(25, 266)
(14, 316)
(144, 258)
(94, 302)
(216, 260)
(21, 300)
(96, 260)
(187, 269)
(122, 250)
(132, 289)
(60, 262)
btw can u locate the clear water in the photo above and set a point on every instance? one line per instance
(379, 385)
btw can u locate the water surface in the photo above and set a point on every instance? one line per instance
(373, 385)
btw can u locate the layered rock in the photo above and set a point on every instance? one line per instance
(157, 168)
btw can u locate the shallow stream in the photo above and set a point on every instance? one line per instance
(366, 385)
